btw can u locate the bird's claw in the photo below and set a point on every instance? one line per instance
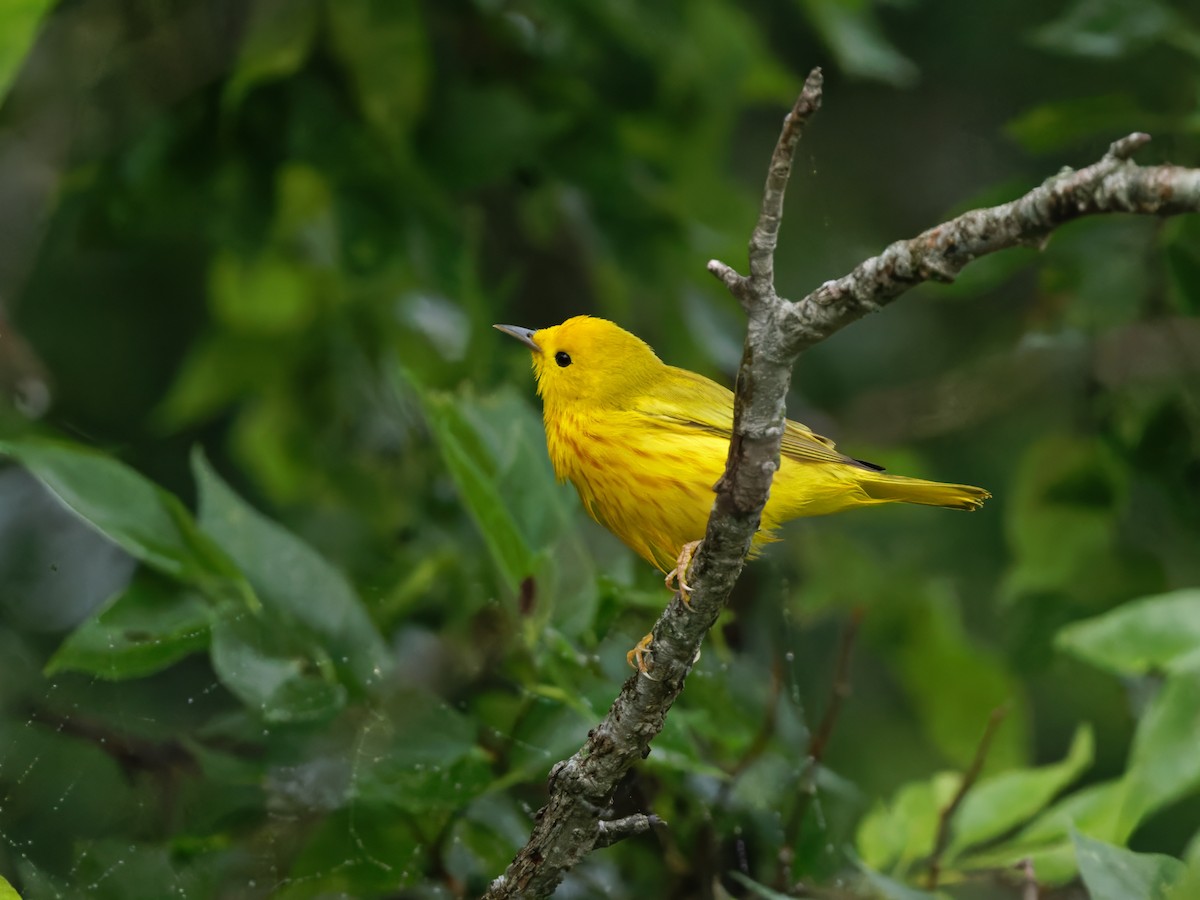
(637, 656)
(678, 575)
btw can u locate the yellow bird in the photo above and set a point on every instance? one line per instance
(644, 443)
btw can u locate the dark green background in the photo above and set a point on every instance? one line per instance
(279, 231)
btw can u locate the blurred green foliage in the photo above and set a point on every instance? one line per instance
(335, 651)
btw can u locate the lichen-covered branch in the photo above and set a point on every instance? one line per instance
(572, 823)
(1115, 184)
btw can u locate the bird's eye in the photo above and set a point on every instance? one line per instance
(562, 358)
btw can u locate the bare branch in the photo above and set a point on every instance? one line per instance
(728, 276)
(569, 826)
(766, 232)
(969, 778)
(613, 830)
(1029, 882)
(1113, 185)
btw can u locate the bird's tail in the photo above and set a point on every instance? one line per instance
(928, 493)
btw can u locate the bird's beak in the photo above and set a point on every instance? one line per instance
(524, 335)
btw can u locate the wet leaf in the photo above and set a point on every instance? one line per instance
(151, 625)
(295, 584)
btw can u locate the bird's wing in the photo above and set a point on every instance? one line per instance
(803, 444)
(692, 401)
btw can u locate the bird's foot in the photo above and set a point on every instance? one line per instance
(678, 575)
(637, 656)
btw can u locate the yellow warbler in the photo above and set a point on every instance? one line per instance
(644, 443)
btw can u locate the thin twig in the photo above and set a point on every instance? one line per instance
(1029, 882)
(766, 730)
(839, 691)
(766, 234)
(969, 778)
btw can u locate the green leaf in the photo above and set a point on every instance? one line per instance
(472, 470)
(279, 673)
(1062, 517)
(143, 519)
(128, 869)
(7, 891)
(1151, 634)
(19, 21)
(1164, 764)
(756, 889)
(384, 49)
(511, 436)
(361, 851)
(1094, 810)
(953, 681)
(885, 888)
(520, 127)
(545, 512)
(1114, 873)
(1107, 29)
(1053, 126)
(277, 41)
(893, 836)
(420, 756)
(265, 296)
(217, 371)
(293, 581)
(999, 803)
(854, 36)
(484, 838)
(151, 625)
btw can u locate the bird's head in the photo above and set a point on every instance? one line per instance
(588, 361)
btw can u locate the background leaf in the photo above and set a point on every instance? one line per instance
(283, 677)
(149, 626)
(294, 583)
(1162, 767)
(1113, 872)
(146, 521)
(1152, 634)
(999, 803)
(18, 25)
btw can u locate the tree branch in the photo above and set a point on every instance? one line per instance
(1115, 184)
(613, 830)
(969, 778)
(569, 826)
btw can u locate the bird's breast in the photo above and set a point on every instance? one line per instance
(649, 485)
